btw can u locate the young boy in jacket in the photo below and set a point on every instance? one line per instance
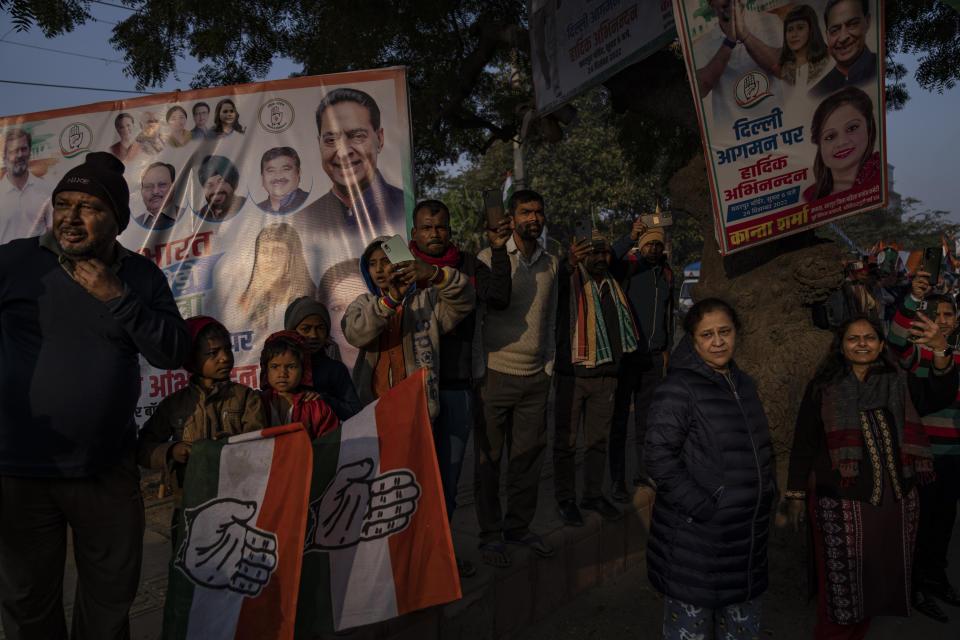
(397, 326)
(285, 386)
(329, 376)
(210, 406)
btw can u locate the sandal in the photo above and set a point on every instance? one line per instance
(465, 568)
(493, 554)
(536, 544)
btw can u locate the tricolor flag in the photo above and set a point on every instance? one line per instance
(378, 543)
(236, 569)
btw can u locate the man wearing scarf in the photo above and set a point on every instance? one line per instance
(594, 330)
(431, 243)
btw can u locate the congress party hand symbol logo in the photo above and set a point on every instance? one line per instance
(357, 506)
(223, 550)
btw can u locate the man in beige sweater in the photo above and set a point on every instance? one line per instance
(516, 348)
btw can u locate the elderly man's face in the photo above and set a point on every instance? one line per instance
(280, 176)
(150, 124)
(125, 129)
(154, 188)
(846, 31)
(652, 251)
(349, 145)
(16, 156)
(200, 115)
(83, 225)
(218, 193)
(598, 262)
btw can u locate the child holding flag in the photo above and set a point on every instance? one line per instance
(285, 383)
(210, 406)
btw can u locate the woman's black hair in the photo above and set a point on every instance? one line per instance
(212, 331)
(835, 365)
(816, 47)
(702, 308)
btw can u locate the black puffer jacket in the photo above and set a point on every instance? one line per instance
(708, 448)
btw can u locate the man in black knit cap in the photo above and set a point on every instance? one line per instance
(75, 310)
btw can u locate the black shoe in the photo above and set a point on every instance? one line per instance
(642, 479)
(569, 513)
(602, 506)
(619, 492)
(925, 604)
(944, 591)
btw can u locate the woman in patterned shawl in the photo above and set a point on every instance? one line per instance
(858, 452)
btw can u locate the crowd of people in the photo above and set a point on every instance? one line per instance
(873, 466)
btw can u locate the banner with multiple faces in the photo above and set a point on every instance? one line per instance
(246, 197)
(790, 98)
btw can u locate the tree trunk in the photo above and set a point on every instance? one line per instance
(771, 288)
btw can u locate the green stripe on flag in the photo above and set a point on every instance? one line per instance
(201, 484)
(314, 605)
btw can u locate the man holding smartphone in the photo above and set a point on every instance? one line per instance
(430, 242)
(514, 367)
(647, 283)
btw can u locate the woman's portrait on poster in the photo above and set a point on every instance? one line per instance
(845, 133)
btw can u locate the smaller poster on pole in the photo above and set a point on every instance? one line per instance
(790, 100)
(578, 44)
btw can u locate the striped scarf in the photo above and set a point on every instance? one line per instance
(843, 403)
(590, 344)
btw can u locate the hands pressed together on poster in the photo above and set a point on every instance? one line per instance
(223, 550)
(358, 506)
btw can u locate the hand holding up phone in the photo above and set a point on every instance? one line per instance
(499, 234)
(579, 249)
(921, 284)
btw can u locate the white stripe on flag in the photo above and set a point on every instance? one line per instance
(214, 612)
(355, 572)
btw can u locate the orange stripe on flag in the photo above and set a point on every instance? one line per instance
(284, 512)
(424, 566)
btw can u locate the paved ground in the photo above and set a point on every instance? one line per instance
(628, 607)
(625, 606)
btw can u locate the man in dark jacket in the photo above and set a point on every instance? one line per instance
(647, 284)
(431, 242)
(595, 330)
(75, 310)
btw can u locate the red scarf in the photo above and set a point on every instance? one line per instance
(449, 259)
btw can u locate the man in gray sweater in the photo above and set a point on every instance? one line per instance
(516, 348)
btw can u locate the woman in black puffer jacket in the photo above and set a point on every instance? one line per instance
(708, 450)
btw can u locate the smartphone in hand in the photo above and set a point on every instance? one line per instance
(932, 258)
(493, 203)
(659, 219)
(583, 230)
(397, 250)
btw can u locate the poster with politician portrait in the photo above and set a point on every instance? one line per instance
(790, 99)
(246, 197)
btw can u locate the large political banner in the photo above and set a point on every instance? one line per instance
(790, 99)
(247, 197)
(579, 44)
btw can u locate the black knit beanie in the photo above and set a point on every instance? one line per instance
(100, 175)
(300, 309)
